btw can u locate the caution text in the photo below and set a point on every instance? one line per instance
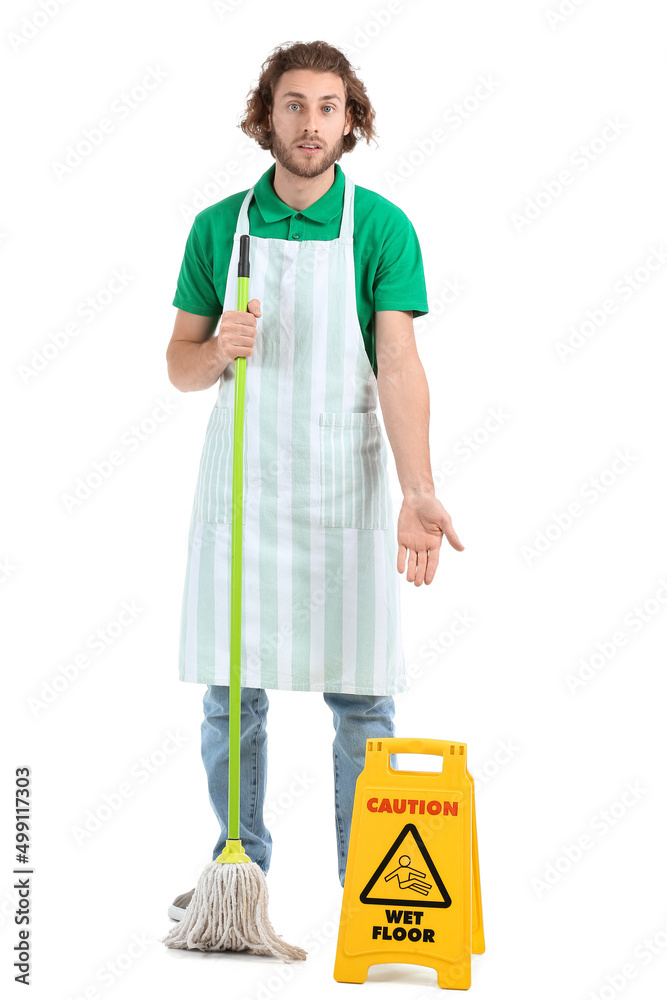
(420, 806)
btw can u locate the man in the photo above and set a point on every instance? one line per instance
(335, 278)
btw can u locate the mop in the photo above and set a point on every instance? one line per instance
(229, 907)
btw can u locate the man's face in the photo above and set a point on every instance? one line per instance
(309, 108)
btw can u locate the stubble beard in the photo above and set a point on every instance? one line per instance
(300, 165)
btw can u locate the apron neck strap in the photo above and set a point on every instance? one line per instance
(242, 227)
(347, 224)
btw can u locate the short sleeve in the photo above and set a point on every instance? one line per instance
(195, 290)
(399, 281)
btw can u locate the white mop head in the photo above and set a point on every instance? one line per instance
(229, 912)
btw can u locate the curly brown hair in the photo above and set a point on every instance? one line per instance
(323, 58)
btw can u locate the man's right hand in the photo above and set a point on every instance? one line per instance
(237, 332)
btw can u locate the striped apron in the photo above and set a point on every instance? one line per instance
(320, 601)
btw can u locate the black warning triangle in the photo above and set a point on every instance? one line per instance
(411, 898)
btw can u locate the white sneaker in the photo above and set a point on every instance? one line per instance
(177, 909)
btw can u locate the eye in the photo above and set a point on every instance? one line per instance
(330, 106)
(293, 105)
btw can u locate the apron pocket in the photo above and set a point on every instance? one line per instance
(354, 490)
(214, 495)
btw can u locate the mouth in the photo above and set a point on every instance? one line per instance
(309, 148)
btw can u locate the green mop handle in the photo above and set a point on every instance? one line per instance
(237, 541)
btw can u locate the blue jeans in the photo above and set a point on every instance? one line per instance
(356, 718)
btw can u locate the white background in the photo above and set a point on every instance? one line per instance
(548, 761)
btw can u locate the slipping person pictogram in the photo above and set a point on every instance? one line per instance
(409, 878)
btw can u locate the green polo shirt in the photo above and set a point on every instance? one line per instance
(389, 272)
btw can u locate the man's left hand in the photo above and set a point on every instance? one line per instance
(421, 525)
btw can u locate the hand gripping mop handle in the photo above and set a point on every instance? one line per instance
(237, 543)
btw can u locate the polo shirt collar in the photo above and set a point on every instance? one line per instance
(273, 208)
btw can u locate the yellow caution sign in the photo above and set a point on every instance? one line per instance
(412, 891)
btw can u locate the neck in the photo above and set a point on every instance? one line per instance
(301, 192)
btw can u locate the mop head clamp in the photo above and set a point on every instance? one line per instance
(233, 852)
